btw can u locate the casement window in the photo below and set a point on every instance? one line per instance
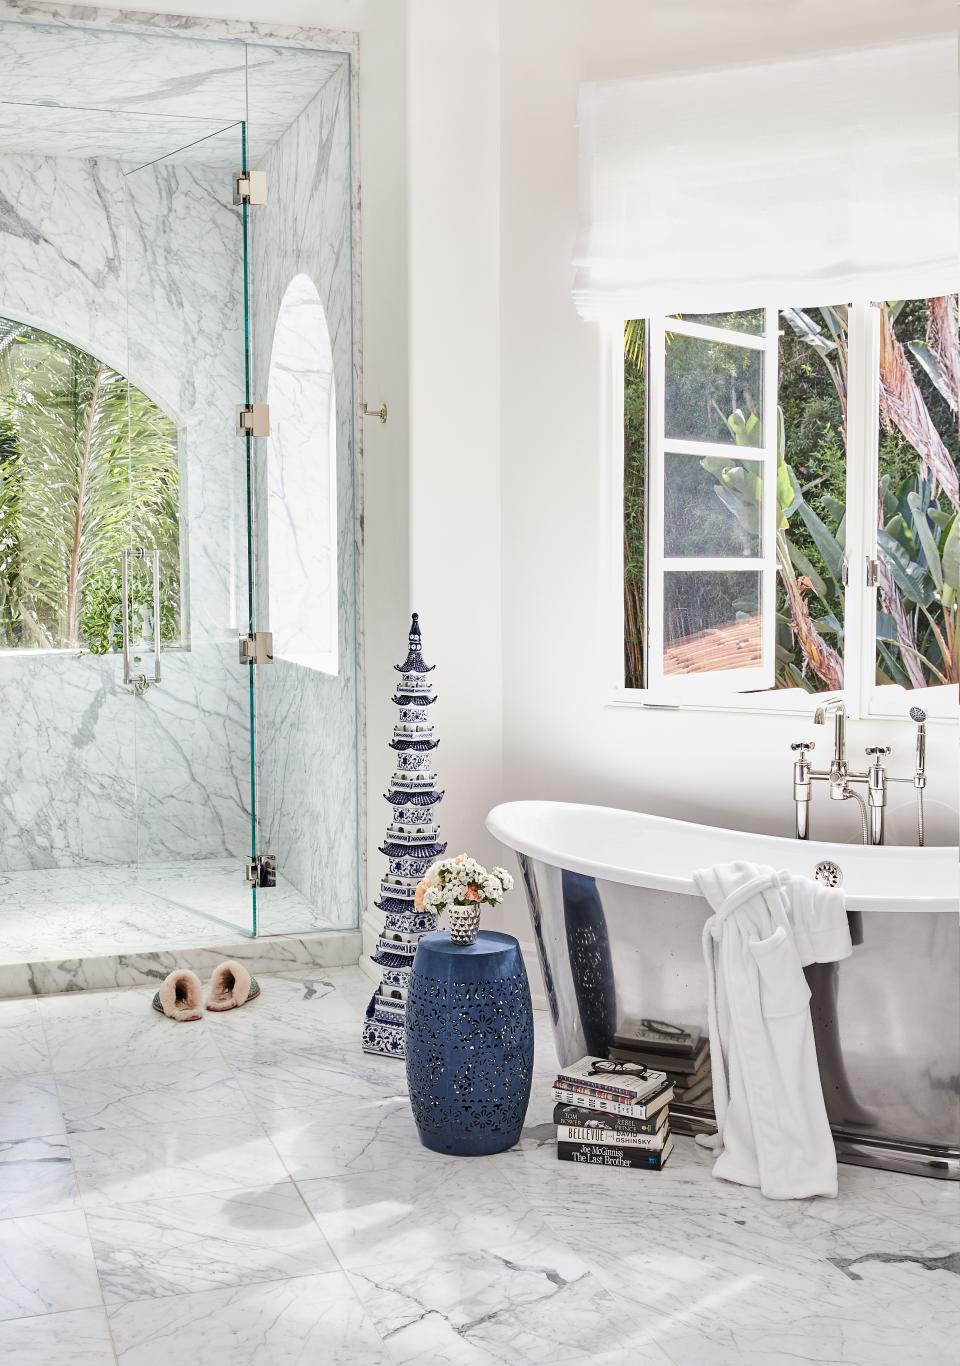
(790, 506)
(770, 249)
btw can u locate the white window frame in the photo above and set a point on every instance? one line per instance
(718, 691)
(657, 564)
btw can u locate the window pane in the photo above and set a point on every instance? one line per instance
(634, 491)
(712, 506)
(917, 536)
(711, 621)
(714, 392)
(811, 496)
(750, 321)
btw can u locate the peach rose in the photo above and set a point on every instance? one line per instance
(461, 858)
(473, 892)
(423, 886)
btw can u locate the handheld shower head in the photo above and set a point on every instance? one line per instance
(920, 774)
(920, 716)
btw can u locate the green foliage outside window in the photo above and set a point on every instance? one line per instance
(919, 535)
(88, 466)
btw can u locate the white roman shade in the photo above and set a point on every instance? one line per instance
(806, 181)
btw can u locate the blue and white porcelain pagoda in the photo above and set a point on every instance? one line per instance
(411, 846)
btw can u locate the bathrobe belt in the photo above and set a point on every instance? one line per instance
(763, 882)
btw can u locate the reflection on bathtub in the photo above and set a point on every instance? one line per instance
(618, 924)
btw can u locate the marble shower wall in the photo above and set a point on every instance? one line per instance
(143, 271)
(307, 721)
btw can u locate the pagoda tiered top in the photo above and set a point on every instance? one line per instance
(414, 662)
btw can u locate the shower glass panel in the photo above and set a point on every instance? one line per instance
(306, 543)
(186, 285)
(144, 752)
(129, 750)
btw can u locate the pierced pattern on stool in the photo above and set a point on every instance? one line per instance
(473, 1062)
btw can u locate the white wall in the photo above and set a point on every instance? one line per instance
(455, 496)
(561, 739)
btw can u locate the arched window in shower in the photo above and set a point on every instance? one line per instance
(302, 483)
(88, 468)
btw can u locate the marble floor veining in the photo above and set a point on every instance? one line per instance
(58, 913)
(249, 1190)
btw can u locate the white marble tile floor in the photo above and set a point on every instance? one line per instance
(57, 913)
(249, 1190)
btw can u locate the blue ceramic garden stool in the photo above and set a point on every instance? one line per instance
(469, 1043)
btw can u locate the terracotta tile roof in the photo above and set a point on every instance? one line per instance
(737, 646)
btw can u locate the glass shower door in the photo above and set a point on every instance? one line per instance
(188, 559)
(141, 270)
(302, 294)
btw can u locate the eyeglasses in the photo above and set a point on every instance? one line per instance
(617, 1067)
(662, 1027)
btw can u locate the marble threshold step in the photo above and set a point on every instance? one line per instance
(141, 966)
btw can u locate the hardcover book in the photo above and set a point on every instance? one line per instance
(666, 1062)
(689, 1094)
(585, 1118)
(643, 1110)
(660, 1036)
(569, 1133)
(605, 1155)
(623, 1081)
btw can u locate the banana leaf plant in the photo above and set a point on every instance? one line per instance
(917, 534)
(821, 664)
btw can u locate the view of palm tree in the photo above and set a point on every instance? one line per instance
(88, 467)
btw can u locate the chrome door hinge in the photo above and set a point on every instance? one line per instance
(873, 572)
(261, 871)
(845, 572)
(257, 648)
(253, 419)
(250, 187)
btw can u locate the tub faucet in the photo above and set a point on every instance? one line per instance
(838, 764)
(843, 782)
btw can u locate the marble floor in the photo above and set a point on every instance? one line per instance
(57, 913)
(249, 1190)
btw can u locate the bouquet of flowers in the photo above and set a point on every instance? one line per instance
(460, 886)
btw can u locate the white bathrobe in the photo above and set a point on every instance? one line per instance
(772, 1127)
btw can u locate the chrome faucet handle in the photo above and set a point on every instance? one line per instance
(877, 750)
(803, 745)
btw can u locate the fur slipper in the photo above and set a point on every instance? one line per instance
(231, 986)
(180, 997)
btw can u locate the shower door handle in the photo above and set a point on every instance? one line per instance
(152, 557)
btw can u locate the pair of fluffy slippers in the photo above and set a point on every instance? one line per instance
(181, 996)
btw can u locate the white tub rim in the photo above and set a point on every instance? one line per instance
(935, 864)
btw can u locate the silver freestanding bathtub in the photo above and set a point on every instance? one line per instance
(617, 924)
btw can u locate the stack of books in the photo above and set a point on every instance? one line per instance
(680, 1051)
(612, 1113)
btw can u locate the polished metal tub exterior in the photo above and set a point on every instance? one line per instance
(617, 926)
